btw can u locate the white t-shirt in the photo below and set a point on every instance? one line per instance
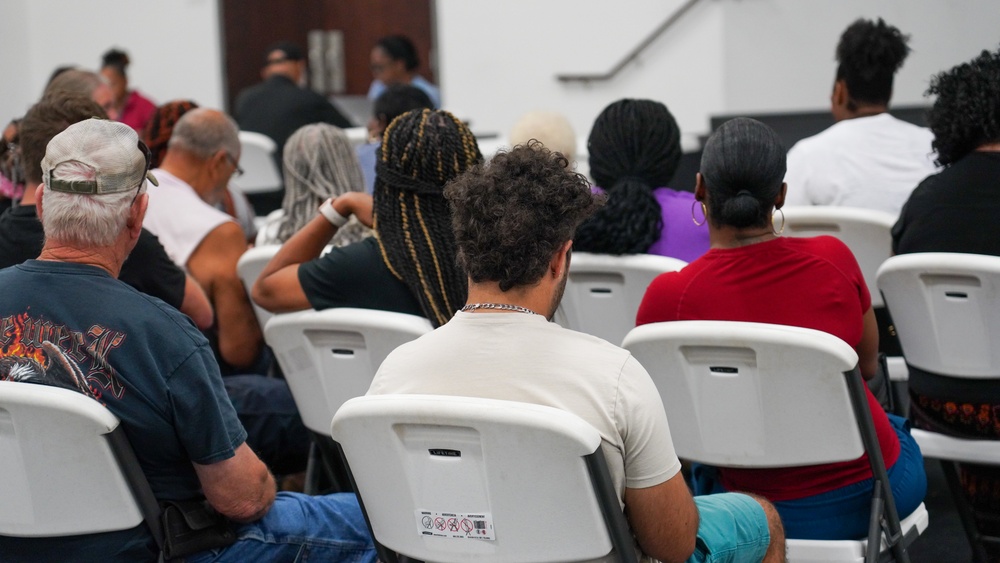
(522, 357)
(869, 162)
(179, 217)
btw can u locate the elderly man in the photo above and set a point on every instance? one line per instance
(514, 221)
(149, 365)
(203, 154)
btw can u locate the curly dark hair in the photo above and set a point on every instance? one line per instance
(58, 110)
(869, 54)
(512, 215)
(421, 151)
(635, 146)
(966, 114)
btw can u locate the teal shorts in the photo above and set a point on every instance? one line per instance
(732, 528)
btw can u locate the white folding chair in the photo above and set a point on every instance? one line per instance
(331, 356)
(759, 395)
(458, 479)
(260, 172)
(603, 292)
(249, 267)
(946, 308)
(67, 467)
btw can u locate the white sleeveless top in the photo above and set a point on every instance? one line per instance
(179, 217)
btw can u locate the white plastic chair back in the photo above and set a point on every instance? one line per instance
(356, 135)
(249, 267)
(456, 479)
(868, 233)
(260, 172)
(946, 309)
(331, 356)
(603, 292)
(61, 475)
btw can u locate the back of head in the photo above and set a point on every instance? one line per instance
(400, 48)
(158, 130)
(550, 128)
(398, 99)
(743, 167)
(76, 81)
(284, 50)
(202, 132)
(46, 119)
(634, 148)
(421, 151)
(512, 215)
(966, 113)
(115, 59)
(93, 172)
(319, 163)
(869, 54)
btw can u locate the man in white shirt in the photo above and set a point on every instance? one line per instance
(514, 221)
(868, 159)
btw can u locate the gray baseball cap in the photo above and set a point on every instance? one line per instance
(113, 150)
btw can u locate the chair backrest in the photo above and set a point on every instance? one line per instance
(249, 267)
(454, 479)
(260, 172)
(67, 467)
(946, 310)
(603, 292)
(331, 356)
(868, 233)
(751, 394)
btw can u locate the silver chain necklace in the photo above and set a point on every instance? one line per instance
(498, 306)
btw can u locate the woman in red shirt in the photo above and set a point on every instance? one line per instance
(752, 274)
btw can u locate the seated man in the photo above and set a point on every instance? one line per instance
(204, 153)
(868, 159)
(151, 368)
(514, 221)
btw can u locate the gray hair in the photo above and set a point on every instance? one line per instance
(85, 219)
(203, 132)
(319, 164)
(77, 81)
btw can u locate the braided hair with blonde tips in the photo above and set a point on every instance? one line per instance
(156, 134)
(319, 164)
(422, 150)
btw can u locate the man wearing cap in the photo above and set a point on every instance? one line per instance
(149, 365)
(279, 106)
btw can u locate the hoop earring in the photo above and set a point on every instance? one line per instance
(778, 232)
(704, 213)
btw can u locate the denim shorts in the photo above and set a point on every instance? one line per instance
(732, 528)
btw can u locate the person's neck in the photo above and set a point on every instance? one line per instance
(28, 198)
(533, 298)
(867, 111)
(108, 259)
(732, 237)
(188, 169)
(989, 147)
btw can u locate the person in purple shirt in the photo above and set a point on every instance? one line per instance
(634, 151)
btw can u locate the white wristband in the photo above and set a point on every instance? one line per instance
(331, 214)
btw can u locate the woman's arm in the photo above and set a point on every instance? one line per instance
(868, 347)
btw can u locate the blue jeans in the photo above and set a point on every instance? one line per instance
(843, 513)
(301, 528)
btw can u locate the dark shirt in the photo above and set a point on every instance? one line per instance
(147, 268)
(356, 276)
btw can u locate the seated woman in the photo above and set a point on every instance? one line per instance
(635, 148)
(394, 60)
(752, 274)
(133, 109)
(319, 164)
(393, 102)
(409, 266)
(956, 211)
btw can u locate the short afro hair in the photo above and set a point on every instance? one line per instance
(869, 54)
(966, 114)
(512, 214)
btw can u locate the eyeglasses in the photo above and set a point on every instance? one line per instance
(149, 163)
(239, 171)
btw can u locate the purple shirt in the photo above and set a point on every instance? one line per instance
(680, 237)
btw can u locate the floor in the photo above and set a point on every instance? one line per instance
(943, 541)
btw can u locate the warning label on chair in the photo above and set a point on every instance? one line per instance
(478, 526)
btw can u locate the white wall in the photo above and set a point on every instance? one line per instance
(174, 45)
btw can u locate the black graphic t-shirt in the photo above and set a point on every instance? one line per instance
(75, 326)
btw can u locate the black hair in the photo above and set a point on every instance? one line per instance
(634, 148)
(115, 59)
(398, 99)
(292, 51)
(966, 114)
(400, 48)
(742, 166)
(421, 151)
(512, 215)
(869, 54)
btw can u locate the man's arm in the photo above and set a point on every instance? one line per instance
(213, 265)
(278, 289)
(240, 487)
(196, 304)
(664, 519)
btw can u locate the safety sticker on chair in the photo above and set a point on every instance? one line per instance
(478, 526)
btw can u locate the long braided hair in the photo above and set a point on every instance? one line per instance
(421, 151)
(634, 147)
(156, 134)
(319, 163)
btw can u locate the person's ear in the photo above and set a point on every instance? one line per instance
(699, 187)
(560, 260)
(779, 201)
(840, 94)
(136, 214)
(38, 200)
